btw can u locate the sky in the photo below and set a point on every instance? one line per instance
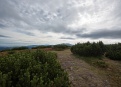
(38, 22)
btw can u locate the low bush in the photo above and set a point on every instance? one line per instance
(88, 49)
(32, 69)
(114, 55)
(114, 51)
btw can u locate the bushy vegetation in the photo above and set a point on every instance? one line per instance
(60, 47)
(113, 51)
(32, 69)
(19, 48)
(88, 49)
(42, 46)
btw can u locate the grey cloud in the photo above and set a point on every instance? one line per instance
(2, 26)
(25, 32)
(55, 15)
(117, 10)
(3, 36)
(60, 28)
(105, 33)
(7, 10)
(12, 42)
(68, 38)
(38, 14)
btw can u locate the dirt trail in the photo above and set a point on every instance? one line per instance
(80, 73)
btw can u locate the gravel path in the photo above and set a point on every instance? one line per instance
(80, 73)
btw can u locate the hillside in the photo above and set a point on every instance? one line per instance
(84, 72)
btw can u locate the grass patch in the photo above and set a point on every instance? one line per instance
(94, 61)
(100, 64)
(109, 69)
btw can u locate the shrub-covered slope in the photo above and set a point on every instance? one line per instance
(32, 69)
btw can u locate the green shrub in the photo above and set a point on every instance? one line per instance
(114, 51)
(88, 49)
(114, 55)
(32, 69)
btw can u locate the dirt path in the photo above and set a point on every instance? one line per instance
(80, 73)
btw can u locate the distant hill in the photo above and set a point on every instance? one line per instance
(4, 48)
(7, 48)
(68, 44)
(29, 46)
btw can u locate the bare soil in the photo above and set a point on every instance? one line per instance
(81, 74)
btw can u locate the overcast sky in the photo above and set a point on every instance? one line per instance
(27, 22)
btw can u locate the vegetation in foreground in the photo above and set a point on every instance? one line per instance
(32, 69)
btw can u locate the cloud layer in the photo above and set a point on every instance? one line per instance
(58, 21)
(111, 34)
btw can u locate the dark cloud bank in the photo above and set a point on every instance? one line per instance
(111, 34)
